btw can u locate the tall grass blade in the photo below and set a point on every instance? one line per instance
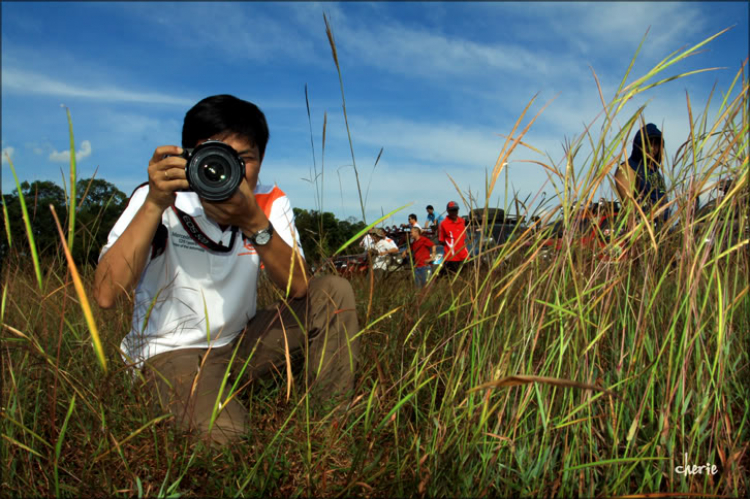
(84, 301)
(58, 445)
(364, 231)
(7, 223)
(72, 210)
(331, 41)
(27, 223)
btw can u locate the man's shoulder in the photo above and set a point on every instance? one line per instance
(138, 194)
(268, 195)
(268, 189)
(423, 241)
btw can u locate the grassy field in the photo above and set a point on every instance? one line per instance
(546, 374)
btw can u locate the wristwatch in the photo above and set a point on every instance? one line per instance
(263, 236)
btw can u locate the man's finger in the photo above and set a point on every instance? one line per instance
(168, 162)
(162, 151)
(173, 184)
(173, 173)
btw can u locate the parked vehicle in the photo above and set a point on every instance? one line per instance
(346, 265)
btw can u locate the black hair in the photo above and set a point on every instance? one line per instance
(429, 207)
(225, 113)
(654, 137)
(413, 215)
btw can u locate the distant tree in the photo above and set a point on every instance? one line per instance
(322, 234)
(39, 195)
(96, 215)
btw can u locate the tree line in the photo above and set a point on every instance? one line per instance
(100, 203)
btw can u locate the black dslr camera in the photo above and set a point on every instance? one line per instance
(214, 170)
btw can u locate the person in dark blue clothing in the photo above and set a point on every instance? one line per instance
(641, 174)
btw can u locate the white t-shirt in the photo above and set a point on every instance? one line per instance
(367, 242)
(381, 261)
(200, 298)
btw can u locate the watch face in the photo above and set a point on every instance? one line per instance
(262, 237)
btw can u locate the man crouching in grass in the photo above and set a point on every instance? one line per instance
(194, 265)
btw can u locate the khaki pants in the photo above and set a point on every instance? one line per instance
(188, 382)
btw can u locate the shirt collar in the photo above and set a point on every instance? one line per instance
(189, 203)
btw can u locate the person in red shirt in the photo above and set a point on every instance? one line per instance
(452, 234)
(423, 253)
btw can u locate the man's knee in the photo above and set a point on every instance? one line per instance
(332, 289)
(333, 304)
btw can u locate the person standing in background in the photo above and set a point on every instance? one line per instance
(452, 234)
(384, 248)
(423, 252)
(431, 222)
(640, 176)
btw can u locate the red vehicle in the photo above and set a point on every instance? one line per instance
(347, 265)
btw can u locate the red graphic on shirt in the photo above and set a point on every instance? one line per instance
(249, 247)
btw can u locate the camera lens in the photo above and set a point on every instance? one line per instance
(215, 171)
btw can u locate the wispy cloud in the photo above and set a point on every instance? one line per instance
(415, 51)
(607, 29)
(238, 31)
(64, 156)
(441, 143)
(36, 147)
(25, 82)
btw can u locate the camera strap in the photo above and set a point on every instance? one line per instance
(197, 235)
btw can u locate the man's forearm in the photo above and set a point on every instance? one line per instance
(121, 266)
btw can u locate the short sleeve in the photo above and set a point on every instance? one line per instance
(134, 204)
(282, 218)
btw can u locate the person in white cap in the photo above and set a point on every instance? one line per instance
(384, 248)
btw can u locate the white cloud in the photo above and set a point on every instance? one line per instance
(64, 156)
(444, 143)
(395, 47)
(243, 31)
(36, 147)
(605, 27)
(7, 151)
(625, 23)
(25, 82)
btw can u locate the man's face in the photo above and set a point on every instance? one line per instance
(249, 154)
(453, 214)
(430, 211)
(415, 233)
(654, 149)
(655, 152)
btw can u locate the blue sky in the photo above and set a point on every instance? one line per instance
(433, 84)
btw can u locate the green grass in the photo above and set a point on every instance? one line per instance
(605, 372)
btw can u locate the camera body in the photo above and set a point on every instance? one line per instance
(214, 170)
